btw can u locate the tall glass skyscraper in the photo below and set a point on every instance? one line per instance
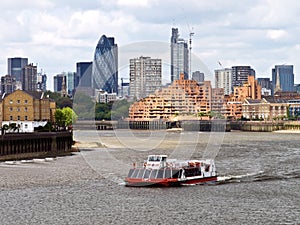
(105, 65)
(15, 67)
(179, 56)
(282, 78)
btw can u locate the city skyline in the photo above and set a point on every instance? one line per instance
(57, 34)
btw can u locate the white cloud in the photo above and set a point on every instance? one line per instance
(276, 34)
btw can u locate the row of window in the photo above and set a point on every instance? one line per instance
(18, 109)
(18, 118)
(18, 101)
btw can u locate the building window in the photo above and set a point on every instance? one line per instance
(18, 101)
(18, 117)
(11, 117)
(10, 109)
(25, 101)
(11, 101)
(26, 109)
(26, 126)
(26, 118)
(18, 109)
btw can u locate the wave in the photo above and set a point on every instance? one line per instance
(256, 177)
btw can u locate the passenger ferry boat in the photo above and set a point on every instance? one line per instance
(158, 170)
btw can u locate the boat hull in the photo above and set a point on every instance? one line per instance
(171, 182)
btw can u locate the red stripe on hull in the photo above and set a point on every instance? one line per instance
(138, 182)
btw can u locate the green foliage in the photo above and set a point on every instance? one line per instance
(61, 102)
(70, 116)
(112, 111)
(60, 118)
(65, 117)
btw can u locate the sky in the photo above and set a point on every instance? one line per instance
(55, 34)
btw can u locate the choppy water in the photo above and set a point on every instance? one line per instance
(259, 182)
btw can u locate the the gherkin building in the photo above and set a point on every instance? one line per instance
(105, 65)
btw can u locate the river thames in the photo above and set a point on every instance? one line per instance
(259, 181)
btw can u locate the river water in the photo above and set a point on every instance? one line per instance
(259, 181)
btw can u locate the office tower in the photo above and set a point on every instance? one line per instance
(29, 78)
(179, 56)
(105, 65)
(198, 76)
(83, 76)
(15, 67)
(8, 84)
(71, 76)
(41, 82)
(282, 78)
(145, 76)
(59, 79)
(223, 79)
(240, 75)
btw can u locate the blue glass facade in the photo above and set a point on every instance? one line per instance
(15, 67)
(286, 77)
(105, 65)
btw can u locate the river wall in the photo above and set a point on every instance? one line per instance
(18, 146)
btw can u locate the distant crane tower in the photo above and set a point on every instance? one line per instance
(190, 72)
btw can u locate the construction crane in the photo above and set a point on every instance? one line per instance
(190, 72)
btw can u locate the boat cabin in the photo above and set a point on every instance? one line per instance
(156, 162)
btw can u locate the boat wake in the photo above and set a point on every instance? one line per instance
(256, 177)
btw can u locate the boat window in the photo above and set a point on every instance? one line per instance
(147, 173)
(130, 173)
(175, 174)
(164, 159)
(154, 158)
(135, 173)
(141, 173)
(160, 173)
(168, 173)
(153, 174)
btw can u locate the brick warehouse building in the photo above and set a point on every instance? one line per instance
(27, 109)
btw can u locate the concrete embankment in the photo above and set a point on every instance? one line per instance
(31, 145)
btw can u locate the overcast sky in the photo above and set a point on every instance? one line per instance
(55, 34)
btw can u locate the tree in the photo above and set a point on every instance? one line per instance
(60, 118)
(70, 116)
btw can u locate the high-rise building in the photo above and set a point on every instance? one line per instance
(8, 84)
(179, 56)
(198, 76)
(29, 78)
(105, 65)
(240, 75)
(59, 79)
(71, 76)
(83, 76)
(223, 79)
(145, 76)
(15, 67)
(41, 82)
(282, 78)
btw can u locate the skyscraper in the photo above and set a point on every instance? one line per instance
(29, 78)
(198, 76)
(59, 79)
(179, 56)
(223, 79)
(83, 76)
(15, 67)
(145, 76)
(105, 65)
(240, 75)
(8, 84)
(282, 78)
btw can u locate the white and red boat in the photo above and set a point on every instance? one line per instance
(158, 170)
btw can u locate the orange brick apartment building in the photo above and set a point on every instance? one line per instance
(181, 97)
